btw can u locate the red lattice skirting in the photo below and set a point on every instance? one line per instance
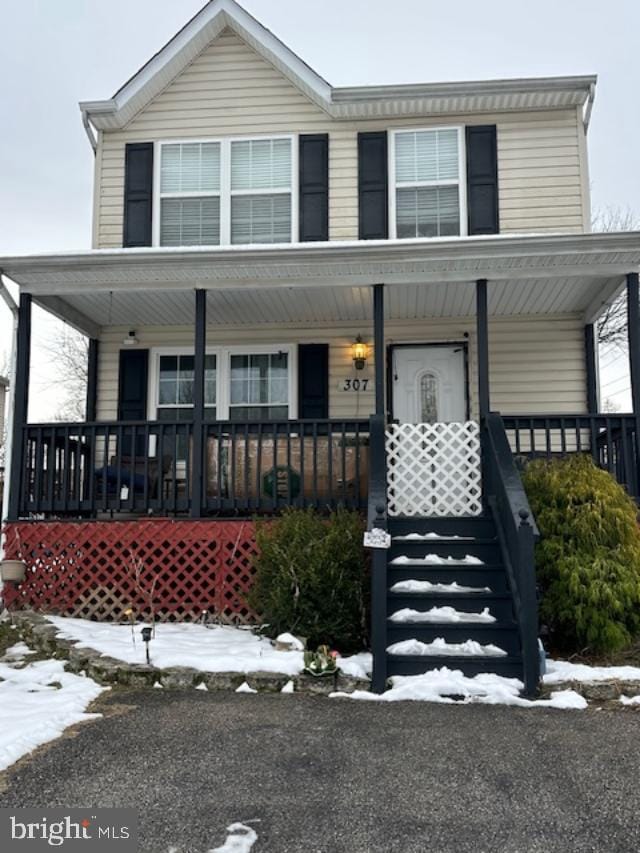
(89, 568)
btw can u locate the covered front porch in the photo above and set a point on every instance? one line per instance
(277, 393)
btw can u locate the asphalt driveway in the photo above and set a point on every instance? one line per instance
(338, 775)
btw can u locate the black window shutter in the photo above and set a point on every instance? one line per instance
(138, 191)
(313, 381)
(373, 199)
(482, 179)
(314, 187)
(132, 394)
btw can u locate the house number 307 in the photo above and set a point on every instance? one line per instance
(355, 385)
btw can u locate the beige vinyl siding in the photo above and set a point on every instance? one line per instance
(537, 363)
(230, 90)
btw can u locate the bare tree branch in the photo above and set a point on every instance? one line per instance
(612, 325)
(69, 353)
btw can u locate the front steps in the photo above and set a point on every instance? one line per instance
(468, 554)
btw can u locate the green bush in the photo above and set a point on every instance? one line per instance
(588, 558)
(311, 578)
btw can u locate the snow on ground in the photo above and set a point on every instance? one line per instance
(630, 700)
(452, 687)
(38, 701)
(245, 688)
(562, 670)
(437, 560)
(240, 839)
(439, 646)
(426, 586)
(17, 650)
(214, 649)
(420, 537)
(440, 614)
(358, 666)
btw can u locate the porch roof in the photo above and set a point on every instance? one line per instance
(328, 282)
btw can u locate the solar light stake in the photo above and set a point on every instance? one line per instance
(146, 636)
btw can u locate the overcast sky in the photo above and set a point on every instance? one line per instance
(57, 52)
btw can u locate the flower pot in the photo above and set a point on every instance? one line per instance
(320, 674)
(12, 571)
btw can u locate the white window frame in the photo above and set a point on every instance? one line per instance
(223, 374)
(154, 378)
(461, 182)
(224, 193)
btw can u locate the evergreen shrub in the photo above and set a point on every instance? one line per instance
(588, 557)
(312, 578)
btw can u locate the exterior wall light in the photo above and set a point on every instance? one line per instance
(130, 340)
(359, 353)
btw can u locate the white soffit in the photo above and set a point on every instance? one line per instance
(340, 103)
(330, 305)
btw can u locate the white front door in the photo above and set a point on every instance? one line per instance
(429, 384)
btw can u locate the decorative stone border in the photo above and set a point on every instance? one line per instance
(42, 635)
(595, 691)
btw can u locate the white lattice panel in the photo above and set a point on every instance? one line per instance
(434, 469)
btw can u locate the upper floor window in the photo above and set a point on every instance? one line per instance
(225, 192)
(427, 187)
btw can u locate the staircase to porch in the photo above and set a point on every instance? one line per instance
(445, 569)
(456, 588)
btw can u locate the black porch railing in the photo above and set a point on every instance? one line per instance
(83, 470)
(609, 438)
(517, 533)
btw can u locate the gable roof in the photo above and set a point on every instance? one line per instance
(339, 103)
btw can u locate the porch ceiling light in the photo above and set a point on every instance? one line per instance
(359, 353)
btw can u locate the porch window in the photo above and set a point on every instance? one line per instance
(175, 387)
(428, 183)
(190, 194)
(261, 191)
(259, 387)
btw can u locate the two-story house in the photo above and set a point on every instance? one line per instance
(301, 295)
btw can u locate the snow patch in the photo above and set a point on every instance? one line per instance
(439, 646)
(442, 685)
(562, 670)
(17, 651)
(37, 703)
(358, 666)
(426, 586)
(245, 688)
(420, 537)
(630, 700)
(437, 560)
(202, 686)
(290, 640)
(240, 839)
(214, 649)
(440, 614)
(288, 688)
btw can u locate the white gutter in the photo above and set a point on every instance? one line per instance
(589, 106)
(89, 130)
(8, 446)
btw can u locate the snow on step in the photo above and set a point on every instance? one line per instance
(440, 614)
(427, 586)
(420, 537)
(437, 560)
(440, 647)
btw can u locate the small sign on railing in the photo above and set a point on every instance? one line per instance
(377, 538)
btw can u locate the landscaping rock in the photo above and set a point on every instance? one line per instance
(267, 682)
(178, 679)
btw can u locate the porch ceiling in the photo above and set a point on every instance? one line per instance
(329, 282)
